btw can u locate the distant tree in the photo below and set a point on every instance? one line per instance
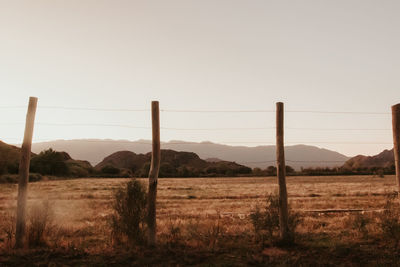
(144, 171)
(167, 170)
(183, 171)
(257, 172)
(108, 169)
(289, 169)
(3, 167)
(244, 170)
(49, 162)
(271, 170)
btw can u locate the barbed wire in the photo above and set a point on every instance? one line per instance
(194, 129)
(260, 143)
(94, 109)
(199, 110)
(12, 107)
(94, 163)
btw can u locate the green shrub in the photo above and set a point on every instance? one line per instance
(266, 223)
(129, 213)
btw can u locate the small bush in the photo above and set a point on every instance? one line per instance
(360, 222)
(7, 228)
(39, 224)
(35, 177)
(208, 234)
(13, 178)
(128, 219)
(173, 235)
(266, 223)
(9, 179)
(390, 219)
(214, 233)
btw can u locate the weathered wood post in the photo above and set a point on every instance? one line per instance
(23, 178)
(153, 174)
(396, 140)
(281, 173)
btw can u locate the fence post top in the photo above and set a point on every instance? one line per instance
(33, 98)
(396, 106)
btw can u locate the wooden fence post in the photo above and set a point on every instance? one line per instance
(281, 173)
(396, 140)
(153, 174)
(23, 178)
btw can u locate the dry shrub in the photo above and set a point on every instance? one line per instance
(266, 223)
(390, 219)
(128, 220)
(207, 234)
(173, 236)
(40, 225)
(360, 222)
(7, 228)
(214, 233)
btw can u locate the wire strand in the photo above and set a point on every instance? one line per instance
(195, 129)
(94, 109)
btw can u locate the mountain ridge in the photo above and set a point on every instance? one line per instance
(95, 150)
(385, 159)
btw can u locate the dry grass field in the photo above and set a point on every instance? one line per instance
(205, 221)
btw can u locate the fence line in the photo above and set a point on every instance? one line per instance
(259, 143)
(94, 163)
(211, 129)
(202, 111)
(197, 129)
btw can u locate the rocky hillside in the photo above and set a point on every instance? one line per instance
(47, 162)
(173, 164)
(9, 158)
(385, 159)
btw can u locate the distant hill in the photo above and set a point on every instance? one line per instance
(297, 156)
(173, 164)
(9, 158)
(385, 159)
(47, 162)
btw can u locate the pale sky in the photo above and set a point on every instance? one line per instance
(203, 55)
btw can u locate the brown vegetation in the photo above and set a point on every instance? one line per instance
(207, 221)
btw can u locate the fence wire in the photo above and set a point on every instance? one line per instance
(211, 129)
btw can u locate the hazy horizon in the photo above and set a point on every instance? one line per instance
(339, 57)
(180, 142)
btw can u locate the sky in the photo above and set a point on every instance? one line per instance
(220, 55)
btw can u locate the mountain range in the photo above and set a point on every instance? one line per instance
(174, 162)
(297, 156)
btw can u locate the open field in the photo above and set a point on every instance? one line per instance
(217, 210)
